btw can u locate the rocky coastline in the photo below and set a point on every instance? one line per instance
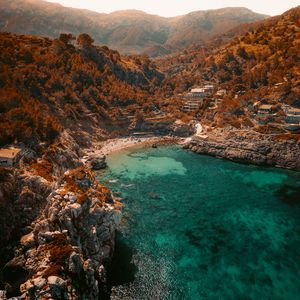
(60, 227)
(64, 255)
(60, 223)
(248, 147)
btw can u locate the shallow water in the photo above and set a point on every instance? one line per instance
(197, 227)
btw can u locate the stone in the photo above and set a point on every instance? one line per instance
(72, 199)
(254, 148)
(55, 280)
(27, 241)
(97, 162)
(75, 263)
(182, 129)
(68, 232)
(58, 287)
(76, 210)
(49, 235)
(39, 282)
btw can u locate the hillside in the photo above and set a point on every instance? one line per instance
(48, 85)
(127, 31)
(261, 65)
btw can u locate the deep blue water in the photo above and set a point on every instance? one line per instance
(197, 227)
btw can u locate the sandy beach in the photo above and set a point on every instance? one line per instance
(112, 145)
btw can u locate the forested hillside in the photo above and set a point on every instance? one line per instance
(47, 85)
(260, 65)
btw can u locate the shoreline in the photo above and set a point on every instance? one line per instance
(117, 144)
(248, 147)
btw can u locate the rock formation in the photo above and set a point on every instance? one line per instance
(59, 225)
(249, 147)
(64, 255)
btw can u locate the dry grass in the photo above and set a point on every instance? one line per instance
(44, 169)
(59, 249)
(287, 137)
(84, 193)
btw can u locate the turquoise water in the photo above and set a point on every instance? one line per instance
(197, 227)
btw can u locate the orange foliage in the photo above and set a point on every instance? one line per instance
(47, 85)
(44, 169)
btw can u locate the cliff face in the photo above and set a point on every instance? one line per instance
(63, 256)
(249, 147)
(59, 223)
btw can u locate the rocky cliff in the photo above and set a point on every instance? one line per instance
(60, 225)
(64, 254)
(249, 147)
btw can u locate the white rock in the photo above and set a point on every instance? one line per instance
(27, 240)
(72, 199)
(76, 209)
(54, 280)
(26, 286)
(39, 282)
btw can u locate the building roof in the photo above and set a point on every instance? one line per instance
(293, 110)
(266, 106)
(9, 152)
(198, 90)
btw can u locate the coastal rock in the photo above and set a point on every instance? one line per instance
(182, 129)
(97, 162)
(64, 252)
(249, 147)
(27, 241)
(58, 287)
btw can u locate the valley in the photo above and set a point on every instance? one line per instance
(222, 83)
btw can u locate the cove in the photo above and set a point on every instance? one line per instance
(197, 227)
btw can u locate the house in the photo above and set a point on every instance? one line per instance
(292, 115)
(8, 156)
(189, 106)
(221, 93)
(197, 93)
(194, 98)
(209, 88)
(265, 109)
(292, 119)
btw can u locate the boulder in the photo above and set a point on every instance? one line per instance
(58, 287)
(27, 241)
(182, 129)
(76, 210)
(97, 162)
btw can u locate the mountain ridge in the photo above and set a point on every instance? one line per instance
(128, 31)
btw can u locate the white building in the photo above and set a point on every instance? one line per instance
(221, 93)
(189, 106)
(292, 115)
(194, 98)
(8, 156)
(197, 93)
(265, 109)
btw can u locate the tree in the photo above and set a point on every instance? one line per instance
(66, 38)
(84, 41)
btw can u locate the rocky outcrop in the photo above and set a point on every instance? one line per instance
(97, 162)
(59, 225)
(182, 129)
(249, 147)
(23, 193)
(64, 254)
